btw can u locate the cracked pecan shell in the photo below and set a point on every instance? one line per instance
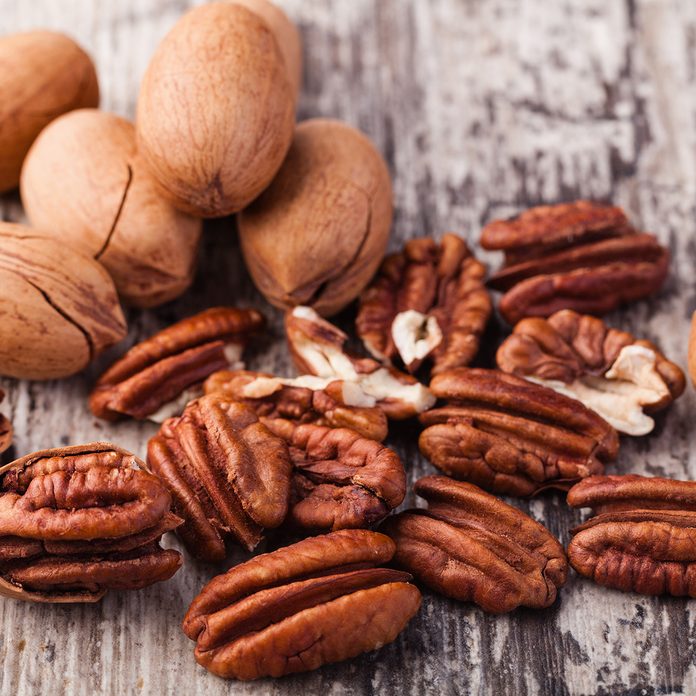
(471, 546)
(78, 521)
(643, 536)
(427, 303)
(157, 377)
(324, 599)
(610, 371)
(511, 436)
(229, 476)
(6, 431)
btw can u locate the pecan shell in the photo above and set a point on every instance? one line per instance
(511, 436)
(471, 546)
(155, 373)
(428, 302)
(229, 476)
(6, 431)
(692, 350)
(78, 521)
(321, 600)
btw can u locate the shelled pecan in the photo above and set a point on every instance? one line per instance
(427, 303)
(306, 399)
(324, 599)
(229, 476)
(582, 255)
(613, 373)
(318, 348)
(643, 537)
(471, 546)
(6, 431)
(78, 521)
(156, 378)
(511, 436)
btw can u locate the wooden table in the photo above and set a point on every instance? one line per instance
(481, 107)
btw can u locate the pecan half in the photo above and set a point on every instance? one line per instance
(428, 302)
(306, 399)
(611, 372)
(156, 378)
(228, 474)
(583, 256)
(321, 600)
(78, 521)
(317, 348)
(643, 537)
(511, 436)
(6, 431)
(471, 546)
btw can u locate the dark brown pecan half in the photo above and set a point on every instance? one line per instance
(471, 546)
(643, 538)
(6, 431)
(582, 256)
(78, 521)
(428, 302)
(154, 379)
(611, 372)
(319, 601)
(511, 436)
(306, 399)
(228, 474)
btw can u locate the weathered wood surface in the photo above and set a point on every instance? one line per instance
(481, 107)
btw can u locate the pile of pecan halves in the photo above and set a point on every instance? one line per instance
(239, 453)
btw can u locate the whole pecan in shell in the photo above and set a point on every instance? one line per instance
(428, 302)
(228, 474)
(321, 600)
(78, 521)
(6, 431)
(511, 436)
(692, 350)
(471, 546)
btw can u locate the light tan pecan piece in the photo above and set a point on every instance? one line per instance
(318, 348)
(78, 521)
(643, 537)
(6, 431)
(610, 371)
(156, 378)
(471, 546)
(511, 436)
(321, 600)
(229, 476)
(427, 303)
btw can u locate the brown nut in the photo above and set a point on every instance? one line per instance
(156, 378)
(643, 537)
(428, 302)
(321, 600)
(318, 233)
(583, 256)
(58, 307)
(471, 546)
(105, 203)
(78, 521)
(621, 378)
(511, 436)
(44, 74)
(305, 399)
(228, 474)
(216, 110)
(317, 348)
(692, 350)
(6, 431)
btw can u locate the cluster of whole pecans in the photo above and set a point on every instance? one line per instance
(240, 453)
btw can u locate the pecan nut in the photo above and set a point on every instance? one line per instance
(692, 350)
(306, 399)
(156, 378)
(582, 255)
(321, 600)
(511, 436)
(473, 547)
(643, 537)
(428, 302)
(613, 373)
(317, 348)
(6, 431)
(78, 521)
(229, 476)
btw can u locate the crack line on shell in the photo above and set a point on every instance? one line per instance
(111, 232)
